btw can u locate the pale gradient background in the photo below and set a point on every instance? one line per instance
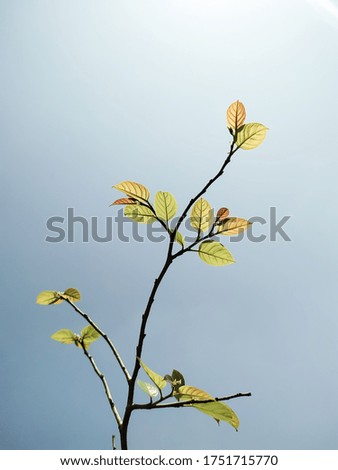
(96, 92)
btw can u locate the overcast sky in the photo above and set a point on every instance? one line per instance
(94, 93)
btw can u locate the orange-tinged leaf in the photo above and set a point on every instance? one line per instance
(123, 200)
(233, 226)
(222, 214)
(134, 190)
(236, 115)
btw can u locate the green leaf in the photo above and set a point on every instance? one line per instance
(134, 190)
(89, 335)
(156, 378)
(139, 213)
(251, 135)
(179, 238)
(149, 389)
(131, 212)
(49, 297)
(215, 253)
(165, 206)
(201, 216)
(72, 294)
(232, 226)
(177, 379)
(220, 412)
(64, 336)
(168, 378)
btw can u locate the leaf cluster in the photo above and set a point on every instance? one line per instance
(163, 209)
(87, 336)
(51, 297)
(187, 395)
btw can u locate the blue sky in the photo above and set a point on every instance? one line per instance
(94, 93)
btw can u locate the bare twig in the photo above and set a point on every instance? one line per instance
(207, 186)
(104, 336)
(106, 387)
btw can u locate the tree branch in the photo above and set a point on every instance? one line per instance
(106, 387)
(179, 404)
(104, 336)
(157, 282)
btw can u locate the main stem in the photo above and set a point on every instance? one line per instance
(139, 348)
(170, 257)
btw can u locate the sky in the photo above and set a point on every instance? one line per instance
(95, 93)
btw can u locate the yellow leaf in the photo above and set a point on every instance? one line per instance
(220, 412)
(72, 294)
(49, 297)
(134, 190)
(139, 213)
(186, 392)
(251, 136)
(123, 200)
(165, 205)
(201, 215)
(216, 409)
(179, 238)
(233, 226)
(215, 253)
(236, 115)
(64, 336)
(88, 335)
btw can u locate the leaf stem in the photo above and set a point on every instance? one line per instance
(232, 151)
(104, 336)
(150, 206)
(106, 387)
(139, 348)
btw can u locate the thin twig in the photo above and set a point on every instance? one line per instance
(106, 387)
(232, 151)
(180, 404)
(104, 336)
